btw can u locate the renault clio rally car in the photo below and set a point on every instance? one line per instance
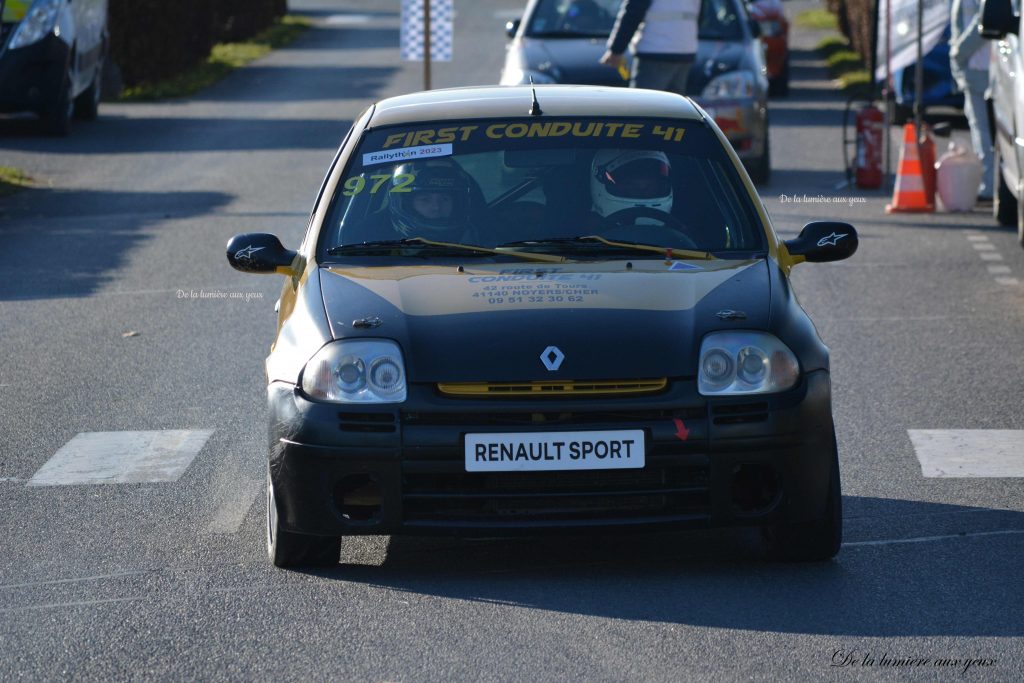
(559, 308)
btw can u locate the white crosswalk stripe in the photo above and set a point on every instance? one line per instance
(122, 458)
(955, 453)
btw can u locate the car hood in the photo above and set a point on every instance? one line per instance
(571, 60)
(492, 323)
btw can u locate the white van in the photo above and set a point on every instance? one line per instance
(1001, 21)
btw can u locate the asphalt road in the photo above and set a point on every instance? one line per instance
(170, 580)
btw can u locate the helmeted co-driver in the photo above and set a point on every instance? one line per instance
(435, 204)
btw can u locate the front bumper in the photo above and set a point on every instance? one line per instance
(31, 77)
(341, 470)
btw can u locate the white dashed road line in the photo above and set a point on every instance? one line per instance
(987, 252)
(929, 539)
(122, 458)
(956, 453)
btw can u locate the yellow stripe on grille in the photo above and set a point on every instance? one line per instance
(536, 389)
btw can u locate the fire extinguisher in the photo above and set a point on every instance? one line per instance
(866, 170)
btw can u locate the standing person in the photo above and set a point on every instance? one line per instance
(968, 60)
(663, 37)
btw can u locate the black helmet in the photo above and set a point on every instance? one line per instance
(429, 200)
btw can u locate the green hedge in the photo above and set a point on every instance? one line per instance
(152, 40)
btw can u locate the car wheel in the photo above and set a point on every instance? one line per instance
(760, 169)
(1004, 204)
(814, 541)
(87, 105)
(780, 84)
(1020, 213)
(57, 121)
(288, 549)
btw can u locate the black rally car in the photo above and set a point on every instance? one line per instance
(520, 309)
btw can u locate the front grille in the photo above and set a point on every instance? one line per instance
(451, 497)
(544, 389)
(367, 422)
(547, 418)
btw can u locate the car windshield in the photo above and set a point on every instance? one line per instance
(719, 19)
(581, 188)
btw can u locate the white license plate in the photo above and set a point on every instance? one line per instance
(543, 451)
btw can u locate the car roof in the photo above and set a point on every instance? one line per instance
(515, 101)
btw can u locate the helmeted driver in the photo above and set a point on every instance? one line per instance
(430, 201)
(626, 179)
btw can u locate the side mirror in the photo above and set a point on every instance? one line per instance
(822, 241)
(755, 28)
(512, 27)
(997, 19)
(257, 252)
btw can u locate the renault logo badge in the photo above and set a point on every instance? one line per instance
(552, 358)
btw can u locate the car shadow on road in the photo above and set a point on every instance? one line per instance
(64, 243)
(940, 570)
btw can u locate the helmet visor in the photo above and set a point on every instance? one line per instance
(639, 179)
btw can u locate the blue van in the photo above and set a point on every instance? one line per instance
(940, 89)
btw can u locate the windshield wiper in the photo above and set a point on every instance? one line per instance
(421, 244)
(596, 242)
(569, 34)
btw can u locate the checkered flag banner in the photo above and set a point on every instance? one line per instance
(441, 13)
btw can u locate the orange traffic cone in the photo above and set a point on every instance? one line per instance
(912, 193)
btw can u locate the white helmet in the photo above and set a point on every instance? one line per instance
(627, 178)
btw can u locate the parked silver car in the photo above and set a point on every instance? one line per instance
(51, 59)
(1001, 21)
(561, 41)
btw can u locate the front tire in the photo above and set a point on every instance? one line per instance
(288, 549)
(817, 540)
(87, 105)
(57, 120)
(1004, 204)
(1020, 213)
(780, 84)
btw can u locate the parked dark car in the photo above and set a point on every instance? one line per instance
(562, 42)
(51, 59)
(999, 22)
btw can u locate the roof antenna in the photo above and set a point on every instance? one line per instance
(535, 107)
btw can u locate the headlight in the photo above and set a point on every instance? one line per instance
(520, 76)
(745, 363)
(730, 85)
(37, 24)
(356, 371)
